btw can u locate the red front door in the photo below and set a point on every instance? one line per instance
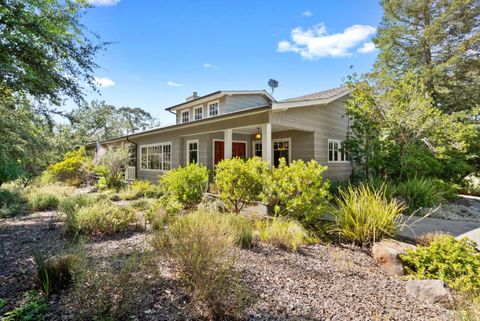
(239, 149)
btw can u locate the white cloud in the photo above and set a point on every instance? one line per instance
(104, 82)
(174, 84)
(103, 3)
(136, 77)
(207, 66)
(307, 13)
(316, 42)
(367, 48)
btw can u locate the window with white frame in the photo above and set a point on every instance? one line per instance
(185, 116)
(156, 157)
(337, 151)
(198, 112)
(192, 151)
(213, 109)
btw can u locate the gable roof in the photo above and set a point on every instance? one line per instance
(218, 94)
(326, 94)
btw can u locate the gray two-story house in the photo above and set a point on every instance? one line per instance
(226, 124)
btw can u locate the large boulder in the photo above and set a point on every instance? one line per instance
(211, 203)
(386, 254)
(431, 291)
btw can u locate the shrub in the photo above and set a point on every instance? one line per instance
(468, 309)
(377, 183)
(100, 218)
(241, 182)
(200, 245)
(12, 202)
(471, 185)
(299, 191)
(53, 274)
(32, 308)
(43, 202)
(364, 215)
(113, 164)
(129, 193)
(73, 169)
(286, 234)
(157, 216)
(421, 192)
(456, 262)
(70, 204)
(183, 186)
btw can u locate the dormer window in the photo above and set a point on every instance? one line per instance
(198, 112)
(185, 116)
(213, 109)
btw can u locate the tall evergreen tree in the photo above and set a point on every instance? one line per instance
(439, 40)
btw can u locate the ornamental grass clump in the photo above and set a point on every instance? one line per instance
(365, 215)
(285, 234)
(456, 262)
(202, 246)
(422, 192)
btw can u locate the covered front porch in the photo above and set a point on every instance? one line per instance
(268, 141)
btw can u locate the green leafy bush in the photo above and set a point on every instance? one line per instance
(12, 202)
(112, 166)
(100, 218)
(422, 192)
(365, 215)
(471, 185)
(299, 191)
(157, 216)
(53, 274)
(456, 262)
(286, 234)
(241, 182)
(70, 204)
(33, 308)
(201, 246)
(183, 186)
(74, 167)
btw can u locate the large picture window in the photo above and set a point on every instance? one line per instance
(156, 157)
(337, 151)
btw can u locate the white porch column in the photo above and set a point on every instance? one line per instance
(227, 147)
(267, 142)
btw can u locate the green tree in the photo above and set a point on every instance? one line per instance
(44, 51)
(440, 41)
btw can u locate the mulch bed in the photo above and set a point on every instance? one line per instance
(322, 282)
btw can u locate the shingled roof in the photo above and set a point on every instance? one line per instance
(318, 95)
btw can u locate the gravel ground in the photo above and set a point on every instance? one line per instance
(322, 282)
(464, 209)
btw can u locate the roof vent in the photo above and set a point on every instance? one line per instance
(193, 96)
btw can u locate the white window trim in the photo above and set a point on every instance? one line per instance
(339, 154)
(181, 115)
(194, 112)
(187, 152)
(289, 147)
(208, 108)
(253, 146)
(150, 145)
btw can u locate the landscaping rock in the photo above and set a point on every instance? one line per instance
(431, 291)
(386, 254)
(211, 203)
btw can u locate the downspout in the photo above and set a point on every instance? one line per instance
(136, 155)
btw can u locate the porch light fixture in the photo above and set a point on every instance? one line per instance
(258, 135)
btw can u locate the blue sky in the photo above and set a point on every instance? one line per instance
(164, 50)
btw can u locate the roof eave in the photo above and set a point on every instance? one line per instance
(310, 102)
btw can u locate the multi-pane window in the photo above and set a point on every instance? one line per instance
(198, 113)
(192, 151)
(156, 157)
(257, 149)
(281, 149)
(337, 151)
(185, 116)
(213, 109)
